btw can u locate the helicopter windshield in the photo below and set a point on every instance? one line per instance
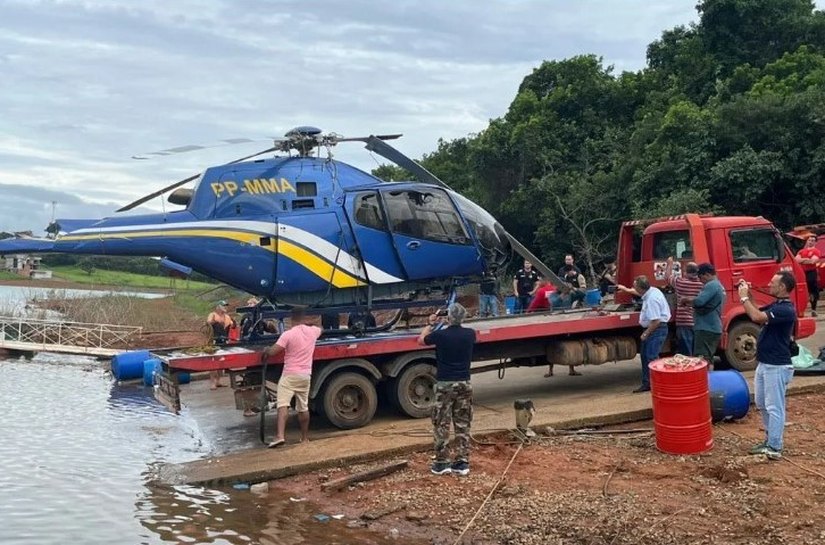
(494, 244)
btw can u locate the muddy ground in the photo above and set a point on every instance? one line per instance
(602, 490)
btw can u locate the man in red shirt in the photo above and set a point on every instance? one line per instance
(541, 299)
(808, 257)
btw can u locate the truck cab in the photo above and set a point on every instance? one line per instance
(737, 246)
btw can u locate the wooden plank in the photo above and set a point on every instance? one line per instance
(337, 484)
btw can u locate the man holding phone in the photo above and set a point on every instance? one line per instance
(773, 352)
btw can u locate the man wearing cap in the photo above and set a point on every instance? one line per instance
(707, 314)
(220, 322)
(653, 318)
(453, 391)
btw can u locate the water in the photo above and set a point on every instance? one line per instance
(13, 298)
(77, 459)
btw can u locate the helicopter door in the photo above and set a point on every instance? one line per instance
(375, 245)
(429, 235)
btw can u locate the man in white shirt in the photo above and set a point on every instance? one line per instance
(654, 318)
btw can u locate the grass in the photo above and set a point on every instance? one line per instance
(6, 275)
(125, 279)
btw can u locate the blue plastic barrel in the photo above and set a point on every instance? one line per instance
(510, 304)
(593, 298)
(129, 365)
(184, 378)
(730, 397)
(150, 367)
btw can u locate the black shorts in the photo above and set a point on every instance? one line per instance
(812, 279)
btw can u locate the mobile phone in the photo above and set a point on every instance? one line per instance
(441, 312)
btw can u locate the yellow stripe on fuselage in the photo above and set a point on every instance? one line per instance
(305, 258)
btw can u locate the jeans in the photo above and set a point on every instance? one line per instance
(522, 302)
(487, 305)
(770, 384)
(684, 340)
(651, 347)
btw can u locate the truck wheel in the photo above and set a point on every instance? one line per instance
(350, 400)
(414, 392)
(741, 349)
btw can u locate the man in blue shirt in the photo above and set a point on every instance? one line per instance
(654, 318)
(453, 391)
(707, 313)
(773, 352)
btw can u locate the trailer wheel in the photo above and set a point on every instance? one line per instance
(741, 349)
(414, 390)
(349, 400)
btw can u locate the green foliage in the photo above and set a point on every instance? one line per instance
(103, 277)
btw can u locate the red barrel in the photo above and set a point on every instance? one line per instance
(681, 406)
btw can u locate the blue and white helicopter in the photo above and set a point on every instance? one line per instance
(302, 229)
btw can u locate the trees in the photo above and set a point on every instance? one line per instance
(727, 117)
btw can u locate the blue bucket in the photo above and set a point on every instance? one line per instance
(150, 367)
(129, 365)
(593, 298)
(510, 304)
(730, 397)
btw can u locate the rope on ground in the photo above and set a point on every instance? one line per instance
(490, 495)
(607, 481)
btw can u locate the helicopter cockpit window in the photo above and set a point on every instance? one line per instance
(425, 214)
(368, 212)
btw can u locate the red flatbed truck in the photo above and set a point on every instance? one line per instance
(349, 372)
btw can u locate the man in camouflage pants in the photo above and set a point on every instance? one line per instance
(453, 391)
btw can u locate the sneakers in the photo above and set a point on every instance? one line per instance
(441, 468)
(761, 448)
(461, 468)
(773, 454)
(641, 389)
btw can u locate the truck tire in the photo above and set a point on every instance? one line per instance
(413, 390)
(349, 400)
(740, 351)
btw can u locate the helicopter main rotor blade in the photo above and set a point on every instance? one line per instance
(186, 180)
(196, 147)
(366, 138)
(388, 152)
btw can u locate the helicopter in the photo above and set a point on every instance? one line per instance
(304, 229)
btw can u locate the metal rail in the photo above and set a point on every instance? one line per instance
(65, 337)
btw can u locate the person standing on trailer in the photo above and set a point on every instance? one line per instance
(524, 286)
(453, 391)
(298, 346)
(808, 257)
(488, 295)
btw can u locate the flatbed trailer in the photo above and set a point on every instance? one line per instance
(349, 372)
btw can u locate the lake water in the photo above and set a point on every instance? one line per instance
(13, 298)
(78, 455)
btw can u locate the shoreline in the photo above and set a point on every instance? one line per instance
(69, 285)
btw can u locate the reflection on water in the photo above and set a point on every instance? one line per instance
(77, 454)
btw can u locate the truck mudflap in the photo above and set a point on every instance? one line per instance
(167, 390)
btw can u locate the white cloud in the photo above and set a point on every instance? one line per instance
(89, 83)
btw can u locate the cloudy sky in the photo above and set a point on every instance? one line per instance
(89, 83)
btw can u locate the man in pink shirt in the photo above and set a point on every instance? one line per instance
(298, 346)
